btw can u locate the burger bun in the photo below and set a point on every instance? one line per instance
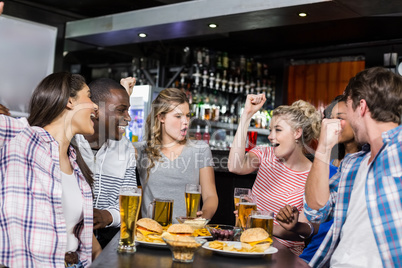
(180, 229)
(150, 225)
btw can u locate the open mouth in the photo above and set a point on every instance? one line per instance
(183, 132)
(122, 128)
(274, 144)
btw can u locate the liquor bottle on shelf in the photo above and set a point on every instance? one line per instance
(217, 81)
(252, 87)
(241, 85)
(198, 135)
(224, 81)
(196, 76)
(258, 87)
(247, 87)
(205, 57)
(236, 85)
(206, 137)
(242, 65)
(211, 80)
(206, 108)
(204, 78)
(264, 86)
(230, 85)
(225, 60)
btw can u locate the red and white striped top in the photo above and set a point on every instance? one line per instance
(276, 186)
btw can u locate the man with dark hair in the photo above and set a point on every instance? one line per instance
(365, 197)
(110, 156)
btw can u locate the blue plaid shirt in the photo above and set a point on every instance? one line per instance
(383, 198)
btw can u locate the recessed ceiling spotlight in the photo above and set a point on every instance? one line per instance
(302, 14)
(142, 35)
(212, 25)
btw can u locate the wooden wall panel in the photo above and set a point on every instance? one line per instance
(320, 83)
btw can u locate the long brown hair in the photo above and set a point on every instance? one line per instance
(163, 104)
(49, 100)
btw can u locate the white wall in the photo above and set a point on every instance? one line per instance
(27, 52)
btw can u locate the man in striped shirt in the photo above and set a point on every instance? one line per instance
(364, 197)
(109, 155)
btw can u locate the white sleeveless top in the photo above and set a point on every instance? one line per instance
(72, 208)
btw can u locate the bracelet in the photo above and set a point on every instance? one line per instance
(311, 231)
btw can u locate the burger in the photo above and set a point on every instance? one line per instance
(150, 228)
(257, 238)
(178, 230)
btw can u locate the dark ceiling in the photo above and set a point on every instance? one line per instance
(330, 23)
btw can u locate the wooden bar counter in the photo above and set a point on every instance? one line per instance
(162, 257)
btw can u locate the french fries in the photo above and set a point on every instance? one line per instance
(153, 239)
(201, 232)
(224, 246)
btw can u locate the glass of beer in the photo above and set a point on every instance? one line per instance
(263, 219)
(130, 204)
(246, 205)
(161, 210)
(193, 197)
(237, 193)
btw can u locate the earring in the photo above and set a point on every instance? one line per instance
(297, 141)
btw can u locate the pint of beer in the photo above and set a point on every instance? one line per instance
(192, 197)
(130, 204)
(263, 219)
(246, 205)
(237, 193)
(162, 211)
(245, 209)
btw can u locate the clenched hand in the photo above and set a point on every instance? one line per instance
(102, 218)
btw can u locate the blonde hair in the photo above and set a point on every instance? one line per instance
(165, 102)
(304, 115)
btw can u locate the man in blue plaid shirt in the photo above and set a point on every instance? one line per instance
(364, 197)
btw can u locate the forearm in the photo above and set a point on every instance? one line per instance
(209, 207)
(96, 247)
(317, 185)
(301, 229)
(236, 160)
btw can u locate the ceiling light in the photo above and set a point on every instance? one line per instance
(212, 25)
(142, 35)
(302, 14)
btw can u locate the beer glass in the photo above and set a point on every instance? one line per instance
(130, 204)
(237, 193)
(192, 197)
(246, 205)
(161, 210)
(263, 219)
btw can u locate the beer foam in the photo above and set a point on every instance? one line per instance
(129, 194)
(247, 203)
(193, 192)
(262, 217)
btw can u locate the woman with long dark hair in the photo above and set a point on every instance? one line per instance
(45, 186)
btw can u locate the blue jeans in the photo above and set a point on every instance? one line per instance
(78, 265)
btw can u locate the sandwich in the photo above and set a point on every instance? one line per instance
(176, 230)
(255, 238)
(149, 230)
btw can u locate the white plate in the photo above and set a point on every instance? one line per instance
(270, 250)
(204, 237)
(152, 245)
